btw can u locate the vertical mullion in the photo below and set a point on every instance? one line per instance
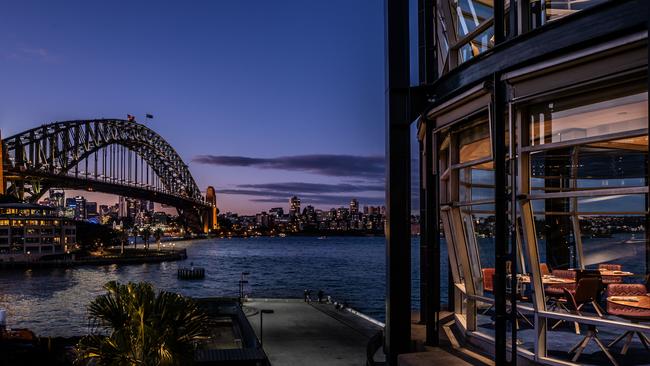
(432, 223)
(647, 237)
(500, 200)
(500, 208)
(425, 301)
(512, 167)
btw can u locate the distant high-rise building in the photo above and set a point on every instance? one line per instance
(70, 203)
(309, 214)
(129, 207)
(122, 207)
(80, 212)
(294, 206)
(354, 206)
(57, 198)
(277, 212)
(103, 209)
(262, 219)
(91, 209)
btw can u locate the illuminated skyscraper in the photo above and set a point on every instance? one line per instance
(294, 206)
(354, 206)
(80, 208)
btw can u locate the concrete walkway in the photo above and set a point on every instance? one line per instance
(298, 333)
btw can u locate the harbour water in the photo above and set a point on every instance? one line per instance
(52, 302)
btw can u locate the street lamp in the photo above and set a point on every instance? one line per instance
(241, 291)
(241, 286)
(262, 312)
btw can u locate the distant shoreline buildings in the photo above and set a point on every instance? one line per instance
(353, 219)
(127, 211)
(309, 220)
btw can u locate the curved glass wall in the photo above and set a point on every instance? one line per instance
(465, 28)
(581, 208)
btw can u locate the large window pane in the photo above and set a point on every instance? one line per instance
(609, 164)
(474, 143)
(477, 182)
(556, 9)
(612, 239)
(595, 115)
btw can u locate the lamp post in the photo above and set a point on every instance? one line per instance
(241, 286)
(262, 312)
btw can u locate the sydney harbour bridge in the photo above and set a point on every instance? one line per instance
(104, 155)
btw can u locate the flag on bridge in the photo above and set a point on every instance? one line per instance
(149, 115)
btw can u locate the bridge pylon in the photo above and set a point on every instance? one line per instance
(2, 166)
(210, 221)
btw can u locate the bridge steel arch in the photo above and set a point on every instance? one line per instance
(51, 155)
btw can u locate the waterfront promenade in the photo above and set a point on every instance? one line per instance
(108, 257)
(300, 333)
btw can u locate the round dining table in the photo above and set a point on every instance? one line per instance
(638, 301)
(610, 273)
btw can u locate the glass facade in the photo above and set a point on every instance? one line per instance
(545, 227)
(465, 28)
(581, 157)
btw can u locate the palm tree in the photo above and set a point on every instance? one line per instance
(124, 237)
(138, 326)
(158, 234)
(134, 232)
(146, 234)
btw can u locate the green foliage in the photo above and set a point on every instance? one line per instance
(90, 235)
(145, 233)
(141, 327)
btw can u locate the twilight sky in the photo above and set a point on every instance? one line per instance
(263, 99)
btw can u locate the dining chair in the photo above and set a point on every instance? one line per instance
(488, 283)
(611, 267)
(586, 292)
(633, 314)
(543, 268)
(555, 293)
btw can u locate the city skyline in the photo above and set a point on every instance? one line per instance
(111, 200)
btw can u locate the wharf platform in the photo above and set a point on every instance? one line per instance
(301, 333)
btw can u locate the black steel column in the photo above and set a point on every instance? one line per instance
(432, 223)
(500, 197)
(426, 42)
(500, 229)
(398, 181)
(647, 221)
(424, 235)
(429, 236)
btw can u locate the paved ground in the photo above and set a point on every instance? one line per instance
(298, 333)
(450, 352)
